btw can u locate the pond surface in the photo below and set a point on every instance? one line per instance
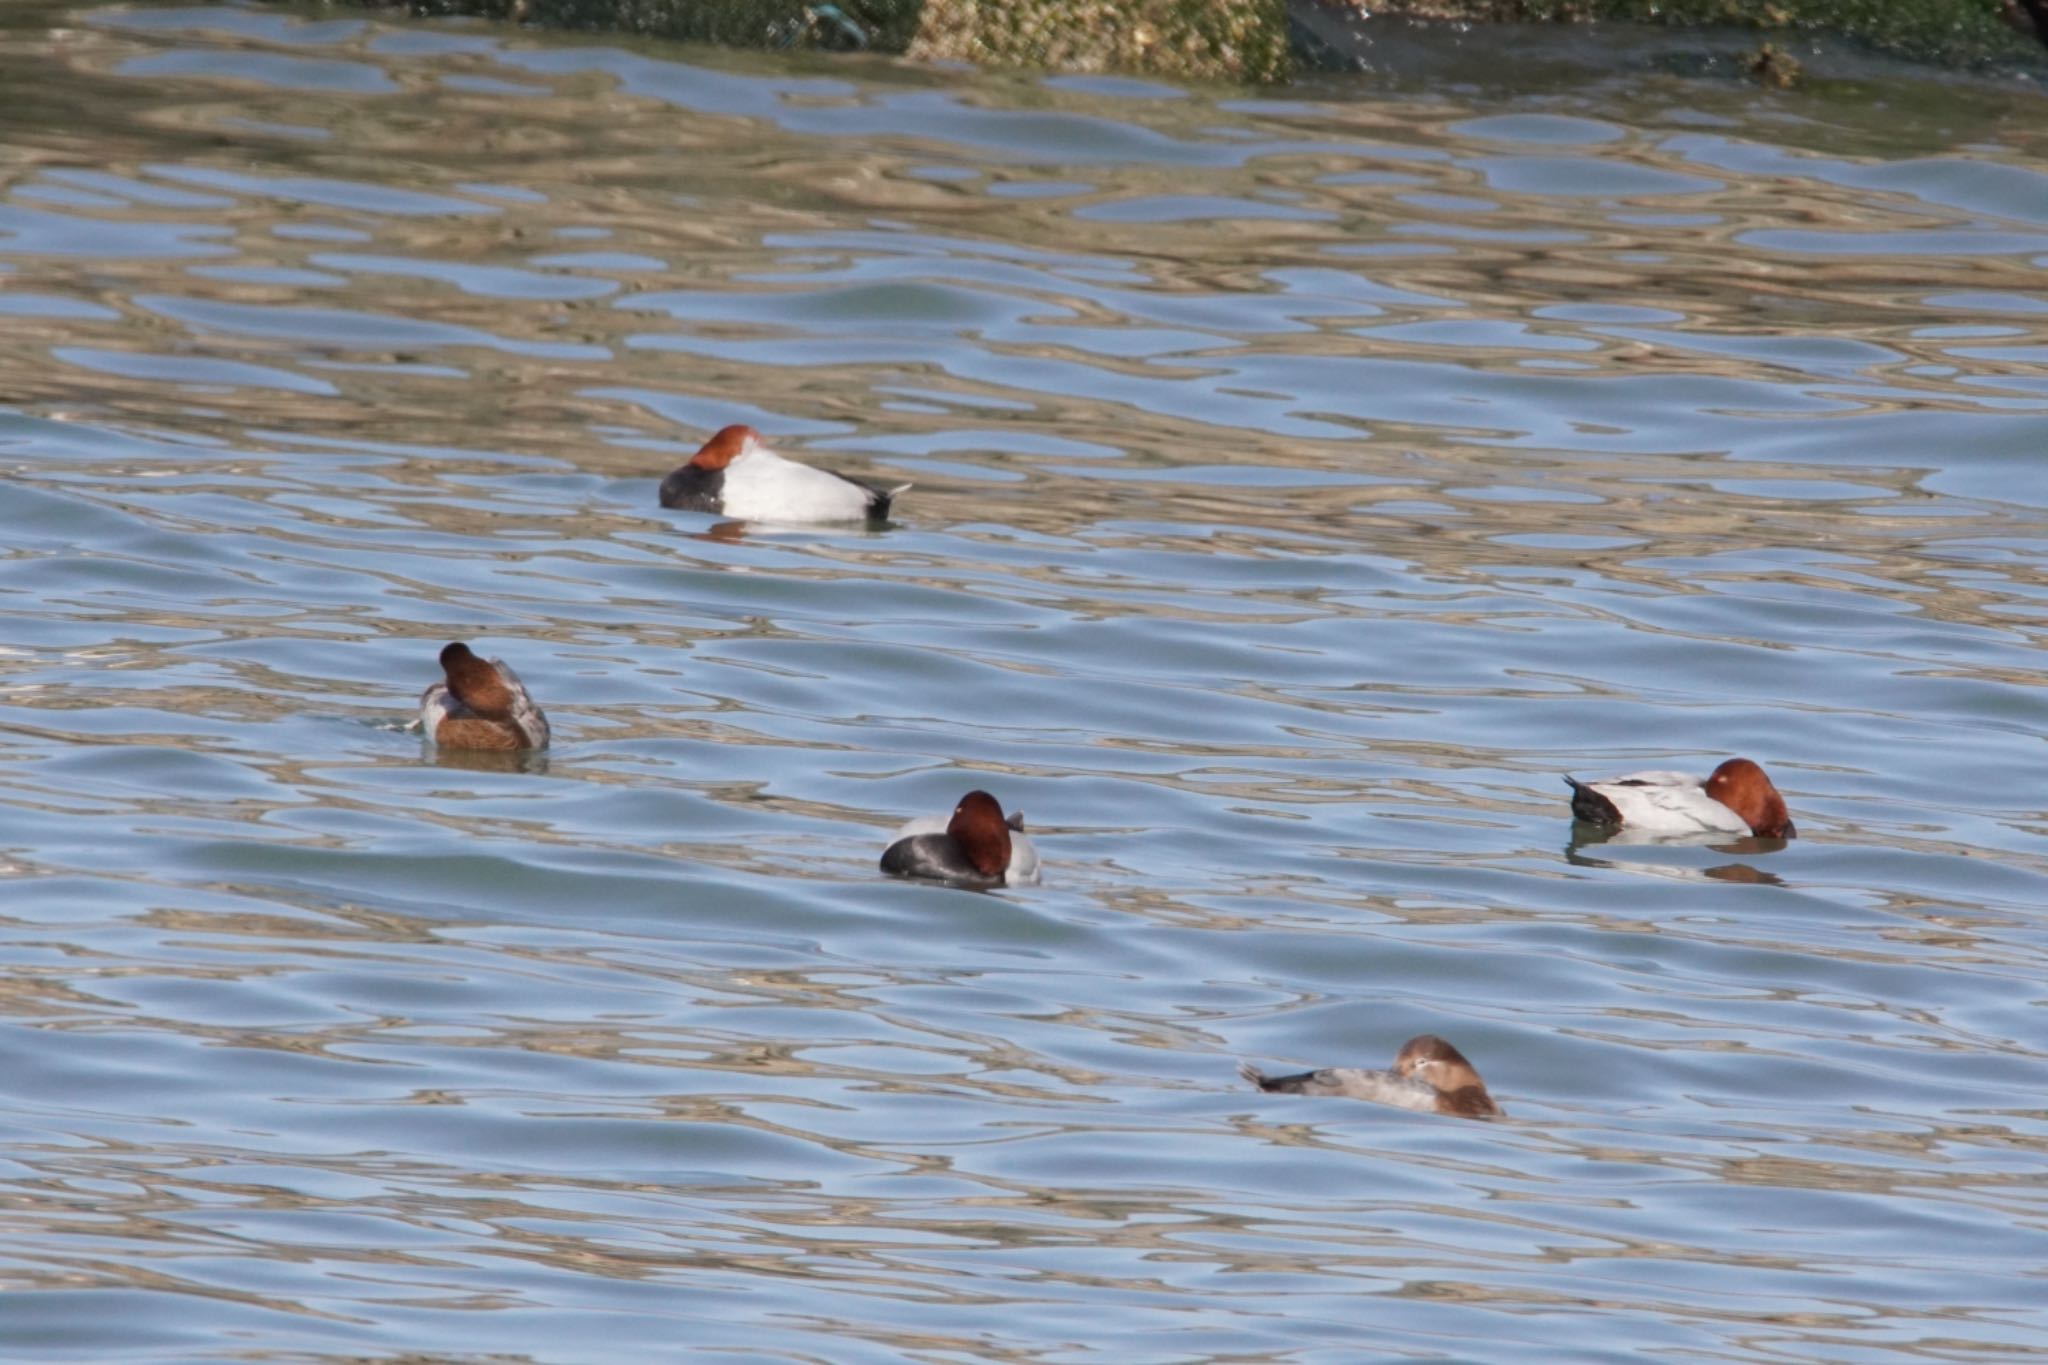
(1303, 485)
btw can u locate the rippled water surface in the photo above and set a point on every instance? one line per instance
(1302, 485)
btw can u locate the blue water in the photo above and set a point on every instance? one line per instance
(1302, 486)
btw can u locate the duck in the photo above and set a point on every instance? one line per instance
(735, 474)
(977, 846)
(1736, 798)
(482, 705)
(1428, 1074)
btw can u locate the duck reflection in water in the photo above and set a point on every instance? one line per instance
(1586, 836)
(734, 532)
(492, 760)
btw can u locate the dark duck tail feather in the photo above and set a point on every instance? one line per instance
(1591, 806)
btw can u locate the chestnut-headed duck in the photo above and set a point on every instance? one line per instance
(977, 846)
(735, 474)
(482, 705)
(1736, 798)
(1429, 1074)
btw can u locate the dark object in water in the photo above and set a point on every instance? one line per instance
(2028, 16)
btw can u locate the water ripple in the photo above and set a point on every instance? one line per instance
(1302, 486)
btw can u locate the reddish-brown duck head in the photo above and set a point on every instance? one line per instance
(725, 446)
(1743, 787)
(1435, 1062)
(982, 833)
(476, 683)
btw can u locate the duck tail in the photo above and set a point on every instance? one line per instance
(878, 506)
